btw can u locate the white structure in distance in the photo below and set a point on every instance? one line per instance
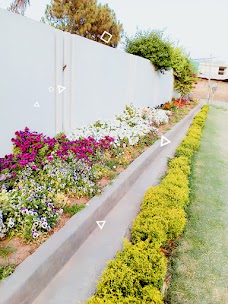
(217, 70)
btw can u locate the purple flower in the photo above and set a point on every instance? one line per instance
(2, 177)
(50, 158)
(44, 225)
(35, 234)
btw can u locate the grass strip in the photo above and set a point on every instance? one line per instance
(198, 267)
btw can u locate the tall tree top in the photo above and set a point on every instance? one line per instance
(86, 18)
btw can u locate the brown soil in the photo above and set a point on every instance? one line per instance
(62, 221)
(78, 201)
(201, 90)
(162, 129)
(103, 182)
(22, 251)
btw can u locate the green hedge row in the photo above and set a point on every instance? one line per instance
(137, 273)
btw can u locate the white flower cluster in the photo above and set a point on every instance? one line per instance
(3, 229)
(159, 116)
(129, 127)
(23, 207)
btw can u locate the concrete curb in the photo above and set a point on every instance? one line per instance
(34, 274)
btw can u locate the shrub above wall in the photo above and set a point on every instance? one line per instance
(153, 46)
(162, 53)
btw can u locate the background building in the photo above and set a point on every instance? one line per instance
(217, 72)
(214, 70)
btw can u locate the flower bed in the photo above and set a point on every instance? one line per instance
(45, 178)
(176, 103)
(137, 273)
(35, 178)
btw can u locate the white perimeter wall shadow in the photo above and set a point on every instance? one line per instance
(99, 80)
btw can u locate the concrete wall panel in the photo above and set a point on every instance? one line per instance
(99, 80)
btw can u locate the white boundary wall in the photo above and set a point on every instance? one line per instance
(99, 80)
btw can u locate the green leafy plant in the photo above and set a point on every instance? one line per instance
(5, 271)
(6, 250)
(184, 72)
(151, 45)
(73, 209)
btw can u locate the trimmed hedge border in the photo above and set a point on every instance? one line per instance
(137, 273)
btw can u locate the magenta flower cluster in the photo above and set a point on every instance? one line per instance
(29, 147)
(84, 148)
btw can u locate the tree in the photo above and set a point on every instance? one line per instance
(153, 46)
(19, 6)
(86, 18)
(183, 71)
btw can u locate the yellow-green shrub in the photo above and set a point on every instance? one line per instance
(150, 295)
(104, 300)
(176, 177)
(167, 195)
(119, 280)
(199, 119)
(195, 132)
(137, 273)
(146, 227)
(110, 299)
(174, 195)
(152, 198)
(190, 142)
(182, 163)
(133, 268)
(184, 151)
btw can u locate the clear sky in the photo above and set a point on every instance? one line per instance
(199, 25)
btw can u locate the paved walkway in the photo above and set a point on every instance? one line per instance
(200, 272)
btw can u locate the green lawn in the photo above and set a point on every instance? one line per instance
(199, 266)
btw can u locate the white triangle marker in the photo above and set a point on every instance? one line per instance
(61, 88)
(164, 141)
(101, 224)
(36, 105)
